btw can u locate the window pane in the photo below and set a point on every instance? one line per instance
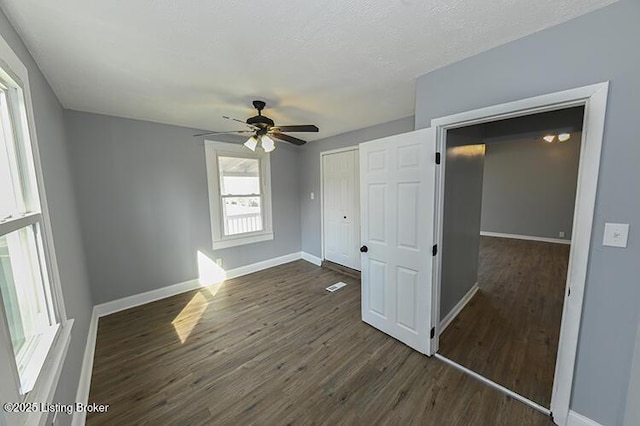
(23, 290)
(11, 199)
(241, 215)
(239, 176)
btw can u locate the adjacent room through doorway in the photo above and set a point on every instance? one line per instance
(509, 200)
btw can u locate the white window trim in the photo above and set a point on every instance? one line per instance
(47, 380)
(213, 150)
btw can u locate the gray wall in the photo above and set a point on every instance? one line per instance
(529, 187)
(52, 141)
(596, 47)
(144, 209)
(310, 174)
(462, 207)
(632, 415)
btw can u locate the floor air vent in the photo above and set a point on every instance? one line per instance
(336, 286)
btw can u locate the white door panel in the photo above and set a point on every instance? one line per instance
(397, 187)
(341, 208)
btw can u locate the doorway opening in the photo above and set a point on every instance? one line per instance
(530, 281)
(402, 194)
(509, 202)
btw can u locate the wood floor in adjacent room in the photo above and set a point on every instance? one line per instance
(509, 330)
(275, 348)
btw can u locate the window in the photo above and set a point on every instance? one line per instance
(239, 194)
(34, 332)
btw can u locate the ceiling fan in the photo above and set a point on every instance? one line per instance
(264, 129)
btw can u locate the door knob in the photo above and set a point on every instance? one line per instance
(364, 249)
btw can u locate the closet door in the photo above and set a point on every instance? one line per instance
(341, 208)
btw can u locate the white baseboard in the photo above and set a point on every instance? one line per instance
(311, 258)
(128, 302)
(118, 305)
(524, 237)
(171, 290)
(453, 313)
(265, 264)
(576, 419)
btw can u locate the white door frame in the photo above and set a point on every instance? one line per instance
(322, 154)
(594, 99)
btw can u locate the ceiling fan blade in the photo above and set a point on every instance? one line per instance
(288, 138)
(223, 133)
(298, 128)
(251, 126)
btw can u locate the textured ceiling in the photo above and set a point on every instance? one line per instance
(342, 65)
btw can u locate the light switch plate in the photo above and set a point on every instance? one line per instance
(615, 234)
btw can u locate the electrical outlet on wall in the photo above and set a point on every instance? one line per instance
(219, 261)
(616, 234)
(312, 196)
(561, 234)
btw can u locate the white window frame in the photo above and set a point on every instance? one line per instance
(213, 150)
(48, 375)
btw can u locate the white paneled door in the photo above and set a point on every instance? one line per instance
(341, 211)
(397, 187)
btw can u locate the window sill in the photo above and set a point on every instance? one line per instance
(34, 357)
(47, 381)
(249, 239)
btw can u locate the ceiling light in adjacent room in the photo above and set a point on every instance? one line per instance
(549, 138)
(251, 143)
(267, 144)
(563, 137)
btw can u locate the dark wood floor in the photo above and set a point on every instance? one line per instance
(275, 348)
(509, 330)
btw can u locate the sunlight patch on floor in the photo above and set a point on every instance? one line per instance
(211, 277)
(187, 319)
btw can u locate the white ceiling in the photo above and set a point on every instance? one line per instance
(342, 65)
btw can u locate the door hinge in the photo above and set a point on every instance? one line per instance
(433, 332)
(437, 158)
(434, 250)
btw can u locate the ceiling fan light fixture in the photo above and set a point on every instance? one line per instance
(251, 143)
(549, 138)
(267, 144)
(563, 137)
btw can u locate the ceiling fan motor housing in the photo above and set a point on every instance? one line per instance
(260, 120)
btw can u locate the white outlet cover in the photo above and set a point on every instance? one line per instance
(615, 234)
(312, 196)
